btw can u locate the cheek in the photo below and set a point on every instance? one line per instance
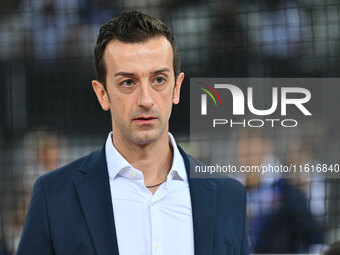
(123, 105)
(166, 100)
(167, 105)
(117, 108)
(170, 93)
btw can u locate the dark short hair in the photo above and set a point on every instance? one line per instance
(131, 26)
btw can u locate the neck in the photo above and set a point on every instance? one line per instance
(153, 159)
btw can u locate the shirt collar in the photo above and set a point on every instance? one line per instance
(178, 165)
(116, 163)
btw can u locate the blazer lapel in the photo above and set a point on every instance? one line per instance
(94, 194)
(203, 201)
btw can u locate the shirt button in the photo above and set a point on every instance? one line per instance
(157, 246)
(153, 203)
(133, 174)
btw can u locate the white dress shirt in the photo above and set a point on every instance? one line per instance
(146, 223)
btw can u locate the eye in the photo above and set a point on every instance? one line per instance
(159, 80)
(127, 83)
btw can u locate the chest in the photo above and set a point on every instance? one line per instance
(153, 223)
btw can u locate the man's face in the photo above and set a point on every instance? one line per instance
(140, 89)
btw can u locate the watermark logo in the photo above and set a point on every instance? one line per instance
(204, 97)
(239, 99)
(243, 104)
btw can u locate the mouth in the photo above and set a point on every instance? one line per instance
(145, 120)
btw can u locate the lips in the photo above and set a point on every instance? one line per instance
(145, 119)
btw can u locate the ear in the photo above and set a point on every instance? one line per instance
(177, 90)
(101, 94)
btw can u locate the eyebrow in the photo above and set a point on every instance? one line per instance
(124, 74)
(162, 70)
(165, 69)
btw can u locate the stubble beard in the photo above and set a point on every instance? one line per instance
(139, 135)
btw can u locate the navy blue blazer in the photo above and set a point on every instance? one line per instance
(71, 212)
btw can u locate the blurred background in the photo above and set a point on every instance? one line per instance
(49, 115)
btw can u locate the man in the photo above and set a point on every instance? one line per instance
(134, 196)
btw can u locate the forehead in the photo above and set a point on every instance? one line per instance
(138, 57)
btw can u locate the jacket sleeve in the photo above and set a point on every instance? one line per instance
(36, 237)
(245, 241)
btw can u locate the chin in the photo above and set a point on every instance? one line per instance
(145, 138)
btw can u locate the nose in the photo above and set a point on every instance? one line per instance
(145, 99)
